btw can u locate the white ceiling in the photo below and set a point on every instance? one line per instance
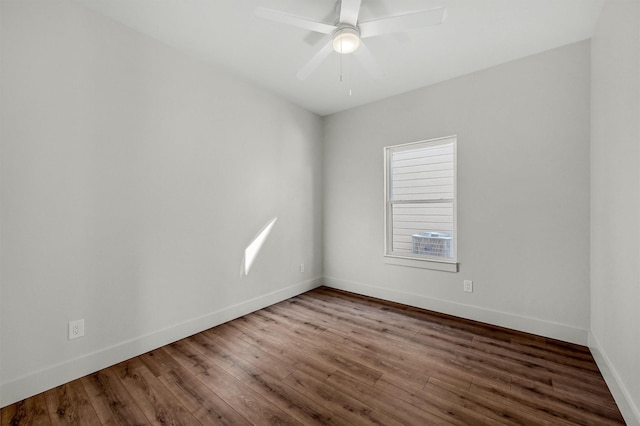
(477, 34)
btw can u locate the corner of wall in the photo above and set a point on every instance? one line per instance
(629, 410)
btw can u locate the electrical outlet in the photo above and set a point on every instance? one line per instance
(468, 286)
(76, 329)
(302, 267)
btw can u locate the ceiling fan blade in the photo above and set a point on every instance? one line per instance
(349, 11)
(314, 62)
(313, 37)
(363, 55)
(405, 22)
(296, 21)
(381, 8)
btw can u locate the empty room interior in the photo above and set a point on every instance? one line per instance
(320, 212)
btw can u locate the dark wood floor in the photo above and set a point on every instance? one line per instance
(329, 357)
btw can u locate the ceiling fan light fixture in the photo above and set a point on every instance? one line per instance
(346, 40)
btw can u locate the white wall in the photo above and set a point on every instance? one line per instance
(615, 202)
(132, 179)
(523, 188)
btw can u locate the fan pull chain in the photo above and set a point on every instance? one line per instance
(341, 55)
(341, 68)
(341, 74)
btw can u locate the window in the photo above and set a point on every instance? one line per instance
(420, 198)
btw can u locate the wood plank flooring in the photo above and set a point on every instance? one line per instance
(334, 358)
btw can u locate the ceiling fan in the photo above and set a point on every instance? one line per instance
(346, 35)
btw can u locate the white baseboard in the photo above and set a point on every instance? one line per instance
(628, 408)
(537, 326)
(55, 375)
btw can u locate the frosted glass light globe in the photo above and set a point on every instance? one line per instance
(346, 40)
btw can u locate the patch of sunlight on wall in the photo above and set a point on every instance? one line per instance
(252, 250)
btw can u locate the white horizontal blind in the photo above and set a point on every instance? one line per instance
(421, 199)
(422, 173)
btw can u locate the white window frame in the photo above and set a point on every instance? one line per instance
(415, 260)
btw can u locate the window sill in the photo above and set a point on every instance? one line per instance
(421, 263)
